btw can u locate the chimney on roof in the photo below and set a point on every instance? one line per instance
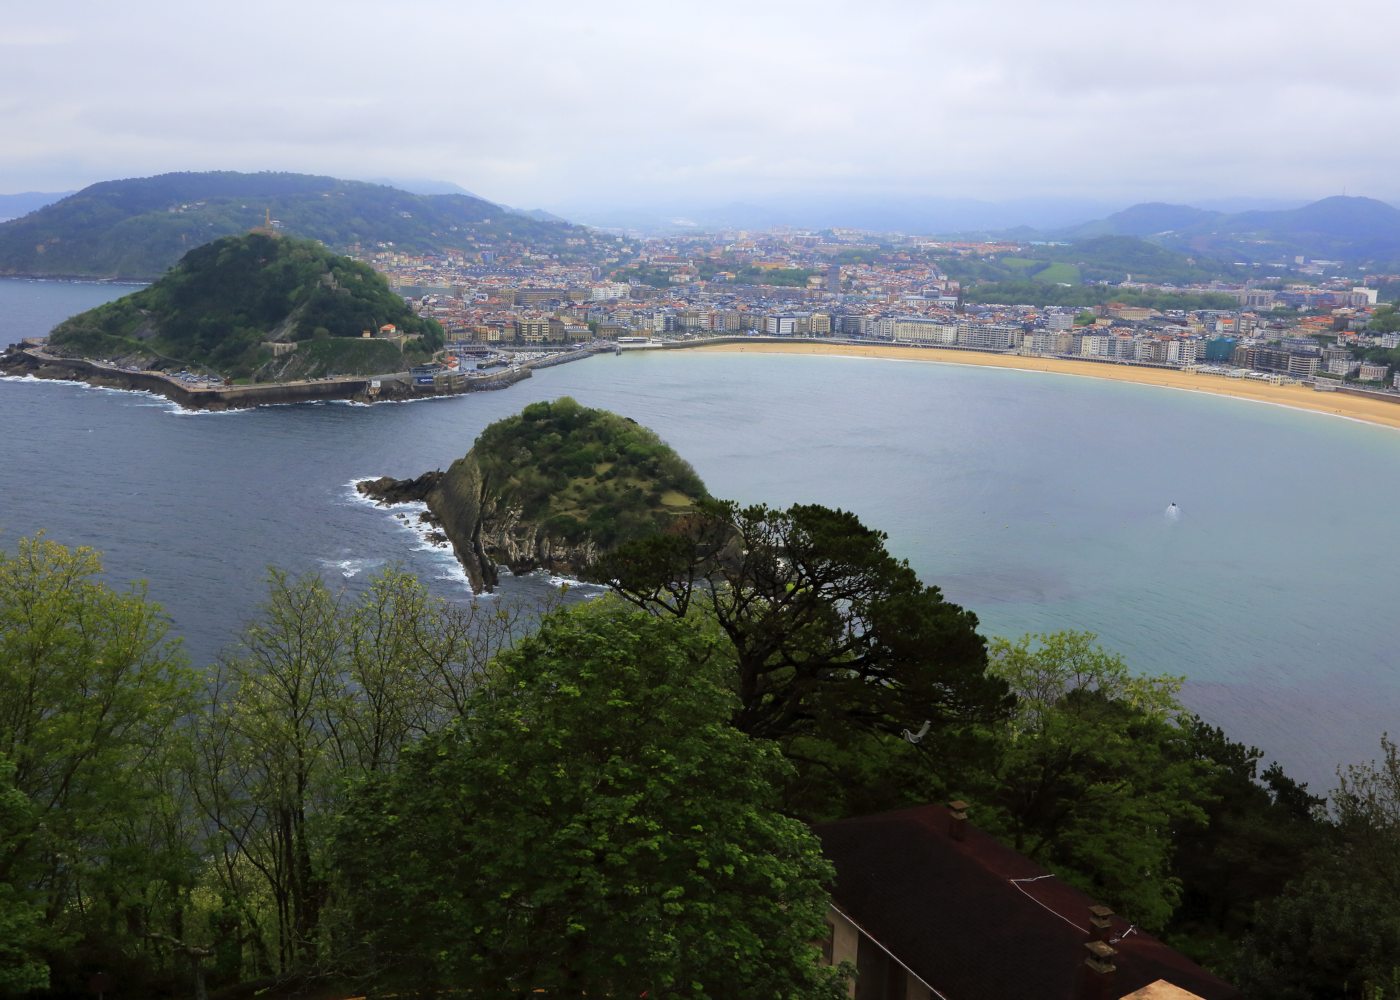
(1096, 975)
(957, 819)
(1100, 923)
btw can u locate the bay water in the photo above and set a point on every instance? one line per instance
(1243, 545)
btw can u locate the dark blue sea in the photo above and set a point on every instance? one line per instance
(1039, 501)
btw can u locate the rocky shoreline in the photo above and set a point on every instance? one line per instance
(33, 361)
(484, 535)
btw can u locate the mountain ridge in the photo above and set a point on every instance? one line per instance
(1351, 229)
(137, 228)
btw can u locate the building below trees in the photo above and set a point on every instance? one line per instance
(926, 905)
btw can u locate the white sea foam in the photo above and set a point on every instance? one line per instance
(43, 381)
(176, 410)
(426, 533)
(353, 494)
(350, 568)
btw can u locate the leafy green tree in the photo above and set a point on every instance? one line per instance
(825, 627)
(592, 826)
(90, 689)
(1093, 777)
(1261, 829)
(1334, 932)
(1385, 320)
(322, 691)
(22, 967)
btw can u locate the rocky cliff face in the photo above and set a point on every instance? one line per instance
(486, 532)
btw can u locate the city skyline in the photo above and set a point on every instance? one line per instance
(566, 106)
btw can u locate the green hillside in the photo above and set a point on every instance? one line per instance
(226, 303)
(139, 228)
(1031, 274)
(582, 472)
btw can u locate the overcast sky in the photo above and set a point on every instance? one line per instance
(586, 103)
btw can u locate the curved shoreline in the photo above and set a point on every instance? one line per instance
(1381, 412)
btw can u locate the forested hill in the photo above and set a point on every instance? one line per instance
(139, 228)
(226, 304)
(555, 487)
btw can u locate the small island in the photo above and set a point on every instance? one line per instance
(243, 311)
(555, 488)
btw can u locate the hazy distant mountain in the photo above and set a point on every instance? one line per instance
(538, 214)
(918, 215)
(876, 213)
(1242, 204)
(12, 206)
(1342, 228)
(678, 217)
(420, 185)
(138, 228)
(1349, 229)
(1147, 219)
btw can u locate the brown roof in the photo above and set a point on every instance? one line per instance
(978, 921)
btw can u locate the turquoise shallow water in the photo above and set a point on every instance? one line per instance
(1039, 501)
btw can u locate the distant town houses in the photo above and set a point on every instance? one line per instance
(844, 284)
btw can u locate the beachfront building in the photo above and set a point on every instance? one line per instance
(1183, 351)
(988, 336)
(1094, 345)
(916, 330)
(1041, 342)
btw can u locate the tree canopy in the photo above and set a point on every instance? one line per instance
(90, 688)
(1333, 933)
(1092, 779)
(825, 627)
(593, 825)
(584, 472)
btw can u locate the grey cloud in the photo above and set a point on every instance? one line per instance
(552, 101)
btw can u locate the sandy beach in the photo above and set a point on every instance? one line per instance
(1373, 411)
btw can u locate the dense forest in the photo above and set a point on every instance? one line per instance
(225, 301)
(383, 792)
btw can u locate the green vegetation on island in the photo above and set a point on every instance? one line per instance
(258, 307)
(555, 486)
(585, 472)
